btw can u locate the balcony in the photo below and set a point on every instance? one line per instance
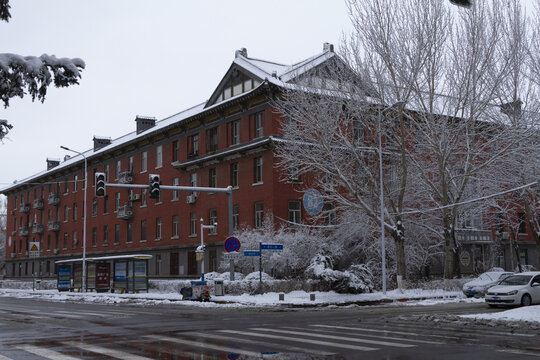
(39, 204)
(37, 228)
(25, 208)
(53, 225)
(24, 231)
(53, 199)
(125, 177)
(125, 212)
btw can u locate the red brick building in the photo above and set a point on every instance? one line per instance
(225, 141)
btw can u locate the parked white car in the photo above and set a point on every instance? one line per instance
(518, 289)
(479, 286)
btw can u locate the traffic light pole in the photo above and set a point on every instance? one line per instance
(227, 190)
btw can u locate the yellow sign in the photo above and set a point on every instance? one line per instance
(34, 248)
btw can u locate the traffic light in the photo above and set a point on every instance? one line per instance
(154, 186)
(100, 184)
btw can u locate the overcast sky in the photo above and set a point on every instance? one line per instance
(153, 58)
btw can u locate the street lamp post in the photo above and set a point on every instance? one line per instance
(84, 215)
(201, 248)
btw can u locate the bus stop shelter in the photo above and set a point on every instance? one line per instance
(128, 273)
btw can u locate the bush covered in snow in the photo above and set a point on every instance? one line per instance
(357, 279)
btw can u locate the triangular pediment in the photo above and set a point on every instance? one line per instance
(236, 81)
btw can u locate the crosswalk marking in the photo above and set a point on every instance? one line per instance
(204, 345)
(386, 337)
(104, 351)
(308, 341)
(326, 336)
(384, 331)
(264, 343)
(46, 353)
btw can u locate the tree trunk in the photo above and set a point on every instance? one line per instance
(399, 239)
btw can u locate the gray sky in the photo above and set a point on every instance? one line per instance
(152, 58)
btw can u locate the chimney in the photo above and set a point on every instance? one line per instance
(274, 74)
(101, 142)
(144, 123)
(66, 158)
(242, 51)
(52, 163)
(328, 47)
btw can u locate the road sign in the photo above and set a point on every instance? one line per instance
(231, 256)
(33, 249)
(232, 244)
(252, 253)
(313, 201)
(271, 247)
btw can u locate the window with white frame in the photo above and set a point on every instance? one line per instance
(193, 224)
(235, 217)
(257, 170)
(175, 226)
(258, 124)
(116, 201)
(212, 219)
(144, 161)
(159, 156)
(234, 174)
(105, 235)
(295, 212)
(235, 132)
(176, 182)
(118, 168)
(259, 214)
(158, 228)
(212, 177)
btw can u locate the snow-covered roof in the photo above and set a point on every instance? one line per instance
(261, 69)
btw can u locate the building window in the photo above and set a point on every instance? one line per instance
(117, 234)
(257, 170)
(295, 213)
(235, 217)
(129, 232)
(158, 228)
(212, 177)
(105, 235)
(193, 145)
(66, 186)
(234, 175)
(75, 242)
(235, 132)
(259, 214)
(48, 243)
(106, 204)
(118, 169)
(94, 236)
(159, 156)
(193, 224)
(66, 213)
(94, 207)
(212, 219)
(143, 230)
(144, 161)
(116, 201)
(523, 258)
(74, 211)
(75, 181)
(258, 124)
(176, 182)
(106, 174)
(158, 264)
(175, 226)
(130, 164)
(211, 139)
(65, 240)
(329, 214)
(143, 197)
(175, 150)
(521, 223)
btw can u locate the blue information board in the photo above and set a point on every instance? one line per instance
(252, 253)
(64, 277)
(313, 201)
(271, 247)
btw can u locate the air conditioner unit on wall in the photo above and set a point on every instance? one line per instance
(55, 251)
(190, 199)
(135, 197)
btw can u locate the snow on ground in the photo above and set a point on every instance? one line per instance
(408, 297)
(528, 313)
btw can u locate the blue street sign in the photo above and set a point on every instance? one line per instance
(271, 247)
(252, 253)
(232, 244)
(313, 201)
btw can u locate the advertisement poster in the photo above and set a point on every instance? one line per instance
(141, 281)
(91, 276)
(120, 274)
(64, 277)
(103, 276)
(77, 275)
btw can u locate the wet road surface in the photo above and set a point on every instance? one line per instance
(31, 329)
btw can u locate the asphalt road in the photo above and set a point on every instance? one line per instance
(32, 329)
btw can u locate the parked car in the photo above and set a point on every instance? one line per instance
(518, 289)
(479, 286)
